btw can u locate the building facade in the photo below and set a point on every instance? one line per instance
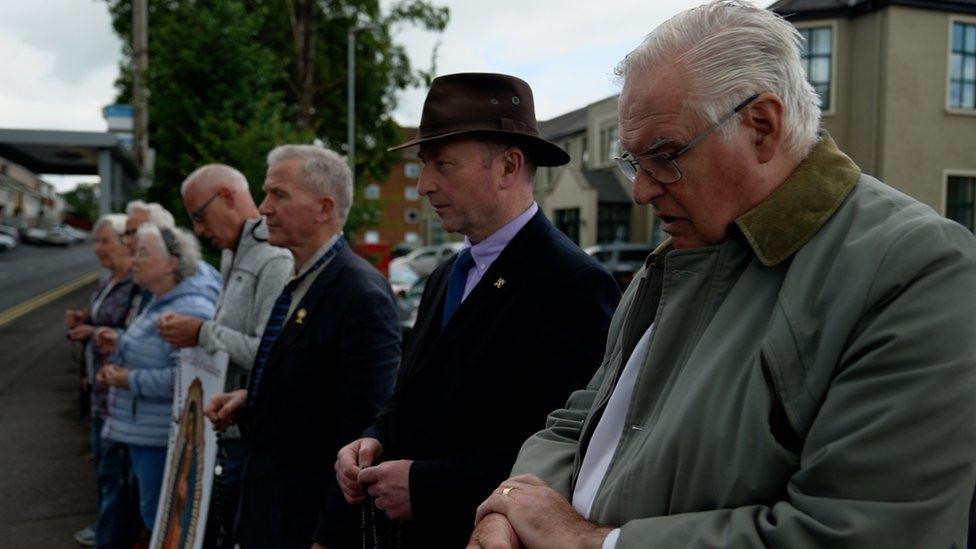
(588, 199)
(401, 206)
(26, 200)
(897, 81)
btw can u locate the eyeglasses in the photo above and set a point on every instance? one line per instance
(197, 216)
(662, 167)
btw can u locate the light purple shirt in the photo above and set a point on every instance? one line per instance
(487, 251)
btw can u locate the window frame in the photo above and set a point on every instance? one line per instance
(953, 19)
(954, 172)
(832, 24)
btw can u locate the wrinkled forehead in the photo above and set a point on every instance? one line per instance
(652, 107)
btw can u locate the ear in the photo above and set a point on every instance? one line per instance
(765, 117)
(512, 164)
(227, 196)
(172, 265)
(327, 211)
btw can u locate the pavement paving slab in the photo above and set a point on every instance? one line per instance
(47, 479)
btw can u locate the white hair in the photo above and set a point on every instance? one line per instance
(116, 222)
(731, 50)
(212, 174)
(326, 173)
(158, 215)
(175, 242)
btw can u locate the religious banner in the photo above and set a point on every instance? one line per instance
(181, 517)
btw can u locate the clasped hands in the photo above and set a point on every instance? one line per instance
(525, 512)
(388, 483)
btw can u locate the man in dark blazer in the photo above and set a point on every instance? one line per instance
(505, 331)
(325, 366)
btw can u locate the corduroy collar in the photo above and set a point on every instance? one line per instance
(797, 209)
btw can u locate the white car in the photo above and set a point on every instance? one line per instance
(7, 242)
(424, 260)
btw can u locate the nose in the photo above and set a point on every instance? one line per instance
(264, 208)
(646, 188)
(425, 183)
(197, 228)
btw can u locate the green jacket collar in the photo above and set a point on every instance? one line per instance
(797, 209)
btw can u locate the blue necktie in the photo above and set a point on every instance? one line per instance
(456, 284)
(279, 314)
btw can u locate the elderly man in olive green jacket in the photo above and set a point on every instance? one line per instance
(795, 367)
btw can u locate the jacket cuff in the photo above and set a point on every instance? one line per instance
(205, 337)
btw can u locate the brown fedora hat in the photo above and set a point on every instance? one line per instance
(488, 104)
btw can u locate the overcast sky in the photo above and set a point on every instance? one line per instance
(59, 58)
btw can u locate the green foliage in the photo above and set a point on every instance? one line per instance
(84, 199)
(230, 79)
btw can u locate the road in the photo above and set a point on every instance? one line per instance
(46, 474)
(28, 271)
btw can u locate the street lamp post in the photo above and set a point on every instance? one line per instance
(351, 105)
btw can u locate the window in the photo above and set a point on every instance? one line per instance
(960, 198)
(411, 237)
(371, 237)
(410, 193)
(608, 143)
(372, 191)
(411, 215)
(411, 170)
(962, 67)
(613, 223)
(568, 221)
(816, 57)
(585, 157)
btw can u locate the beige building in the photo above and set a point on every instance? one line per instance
(898, 85)
(588, 199)
(26, 200)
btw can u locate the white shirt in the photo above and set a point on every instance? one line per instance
(606, 436)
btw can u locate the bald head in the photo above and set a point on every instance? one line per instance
(219, 203)
(213, 176)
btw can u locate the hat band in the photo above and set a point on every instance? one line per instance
(505, 124)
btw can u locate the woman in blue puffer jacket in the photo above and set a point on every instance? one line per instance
(142, 370)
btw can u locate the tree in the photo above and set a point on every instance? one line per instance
(230, 79)
(84, 199)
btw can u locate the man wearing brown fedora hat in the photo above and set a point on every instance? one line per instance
(505, 331)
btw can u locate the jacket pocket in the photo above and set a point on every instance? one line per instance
(779, 424)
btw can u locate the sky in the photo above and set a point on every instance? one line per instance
(60, 58)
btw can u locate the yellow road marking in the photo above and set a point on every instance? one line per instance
(36, 302)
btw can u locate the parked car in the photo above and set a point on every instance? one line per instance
(424, 260)
(77, 235)
(7, 242)
(12, 232)
(408, 302)
(622, 259)
(402, 277)
(34, 235)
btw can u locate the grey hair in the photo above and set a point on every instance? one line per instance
(211, 174)
(730, 50)
(116, 222)
(158, 215)
(326, 173)
(187, 249)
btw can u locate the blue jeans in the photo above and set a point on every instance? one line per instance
(148, 463)
(116, 517)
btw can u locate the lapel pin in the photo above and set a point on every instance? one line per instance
(300, 316)
(499, 283)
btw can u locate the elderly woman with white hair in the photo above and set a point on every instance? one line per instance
(143, 367)
(108, 307)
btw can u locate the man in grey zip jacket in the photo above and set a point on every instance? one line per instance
(221, 208)
(795, 367)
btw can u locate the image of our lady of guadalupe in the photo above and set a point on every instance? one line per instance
(184, 487)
